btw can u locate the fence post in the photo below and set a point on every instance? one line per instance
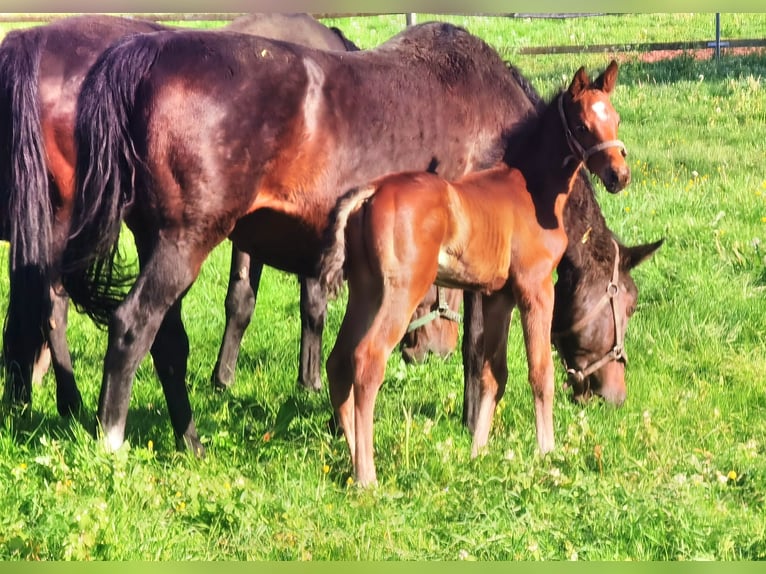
(411, 19)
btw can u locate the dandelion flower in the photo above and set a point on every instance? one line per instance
(732, 475)
(326, 468)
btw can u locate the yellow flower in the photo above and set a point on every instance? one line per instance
(326, 468)
(627, 210)
(732, 475)
(150, 446)
(350, 481)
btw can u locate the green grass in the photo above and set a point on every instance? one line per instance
(677, 473)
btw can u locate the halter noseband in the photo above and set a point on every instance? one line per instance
(577, 150)
(618, 351)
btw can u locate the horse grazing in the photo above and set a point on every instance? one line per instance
(41, 71)
(498, 231)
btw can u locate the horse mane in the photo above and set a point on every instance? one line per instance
(450, 51)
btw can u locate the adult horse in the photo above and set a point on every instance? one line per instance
(41, 71)
(498, 231)
(193, 137)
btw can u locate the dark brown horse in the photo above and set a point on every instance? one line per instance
(499, 231)
(41, 71)
(192, 137)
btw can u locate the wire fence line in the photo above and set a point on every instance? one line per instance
(717, 44)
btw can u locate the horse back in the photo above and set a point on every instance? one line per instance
(285, 129)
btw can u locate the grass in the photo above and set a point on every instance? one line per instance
(677, 473)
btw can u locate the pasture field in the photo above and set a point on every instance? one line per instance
(677, 473)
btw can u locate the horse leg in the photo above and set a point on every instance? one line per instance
(240, 303)
(313, 311)
(170, 352)
(167, 275)
(473, 357)
(68, 398)
(42, 363)
(23, 337)
(536, 306)
(496, 311)
(340, 363)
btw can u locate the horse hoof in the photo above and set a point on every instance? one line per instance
(69, 406)
(314, 384)
(219, 385)
(192, 445)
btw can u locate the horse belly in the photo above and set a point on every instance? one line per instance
(279, 240)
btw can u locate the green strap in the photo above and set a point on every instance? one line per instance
(442, 310)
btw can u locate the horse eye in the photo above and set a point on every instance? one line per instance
(581, 128)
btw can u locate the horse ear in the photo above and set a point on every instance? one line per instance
(579, 83)
(637, 254)
(608, 78)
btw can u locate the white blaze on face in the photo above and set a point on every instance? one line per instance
(599, 108)
(313, 99)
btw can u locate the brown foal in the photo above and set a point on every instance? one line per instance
(498, 231)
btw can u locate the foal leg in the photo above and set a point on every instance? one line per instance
(169, 272)
(497, 309)
(68, 398)
(313, 313)
(244, 278)
(340, 363)
(536, 306)
(370, 357)
(170, 352)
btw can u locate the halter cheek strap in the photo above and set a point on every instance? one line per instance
(617, 352)
(578, 151)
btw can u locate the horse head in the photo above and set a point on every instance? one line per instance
(590, 321)
(591, 122)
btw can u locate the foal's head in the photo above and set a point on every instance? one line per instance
(591, 123)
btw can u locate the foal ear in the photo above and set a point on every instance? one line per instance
(608, 78)
(637, 254)
(579, 83)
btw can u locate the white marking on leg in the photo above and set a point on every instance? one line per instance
(114, 440)
(313, 101)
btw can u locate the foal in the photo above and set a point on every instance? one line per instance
(498, 231)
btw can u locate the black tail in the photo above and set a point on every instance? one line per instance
(106, 172)
(24, 189)
(26, 209)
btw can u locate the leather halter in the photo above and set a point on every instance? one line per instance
(617, 353)
(578, 151)
(442, 310)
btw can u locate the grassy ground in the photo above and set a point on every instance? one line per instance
(677, 473)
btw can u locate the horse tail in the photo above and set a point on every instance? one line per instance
(94, 273)
(26, 208)
(348, 45)
(24, 194)
(334, 255)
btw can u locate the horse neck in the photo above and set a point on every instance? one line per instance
(541, 154)
(589, 255)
